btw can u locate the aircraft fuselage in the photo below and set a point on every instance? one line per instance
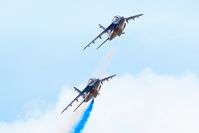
(94, 91)
(118, 29)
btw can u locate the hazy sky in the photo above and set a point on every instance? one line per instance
(41, 46)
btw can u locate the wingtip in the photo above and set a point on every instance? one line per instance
(85, 48)
(114, 75)
(62, 111)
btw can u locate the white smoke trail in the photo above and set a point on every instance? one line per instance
(101, 70)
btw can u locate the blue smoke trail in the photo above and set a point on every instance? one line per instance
(81, 124)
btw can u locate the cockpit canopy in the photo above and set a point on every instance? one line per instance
(116, 19)
(91, 81)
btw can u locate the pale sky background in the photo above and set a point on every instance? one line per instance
(41, 46)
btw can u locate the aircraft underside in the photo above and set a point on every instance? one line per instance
(92, 94)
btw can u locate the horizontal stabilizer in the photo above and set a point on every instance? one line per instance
(78, 106)
(102, 43)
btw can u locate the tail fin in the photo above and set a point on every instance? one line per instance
(77, 90)
(102, 27)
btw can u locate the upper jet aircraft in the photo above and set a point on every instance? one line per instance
(116, 28)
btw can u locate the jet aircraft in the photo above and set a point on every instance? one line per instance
(90, 91)
(116, 28)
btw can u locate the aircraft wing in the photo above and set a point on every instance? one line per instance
(100, 35)
(133, 17)
(107, 78)
(76, 99)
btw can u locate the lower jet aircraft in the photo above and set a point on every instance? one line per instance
(91, 91)
(116, 28)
